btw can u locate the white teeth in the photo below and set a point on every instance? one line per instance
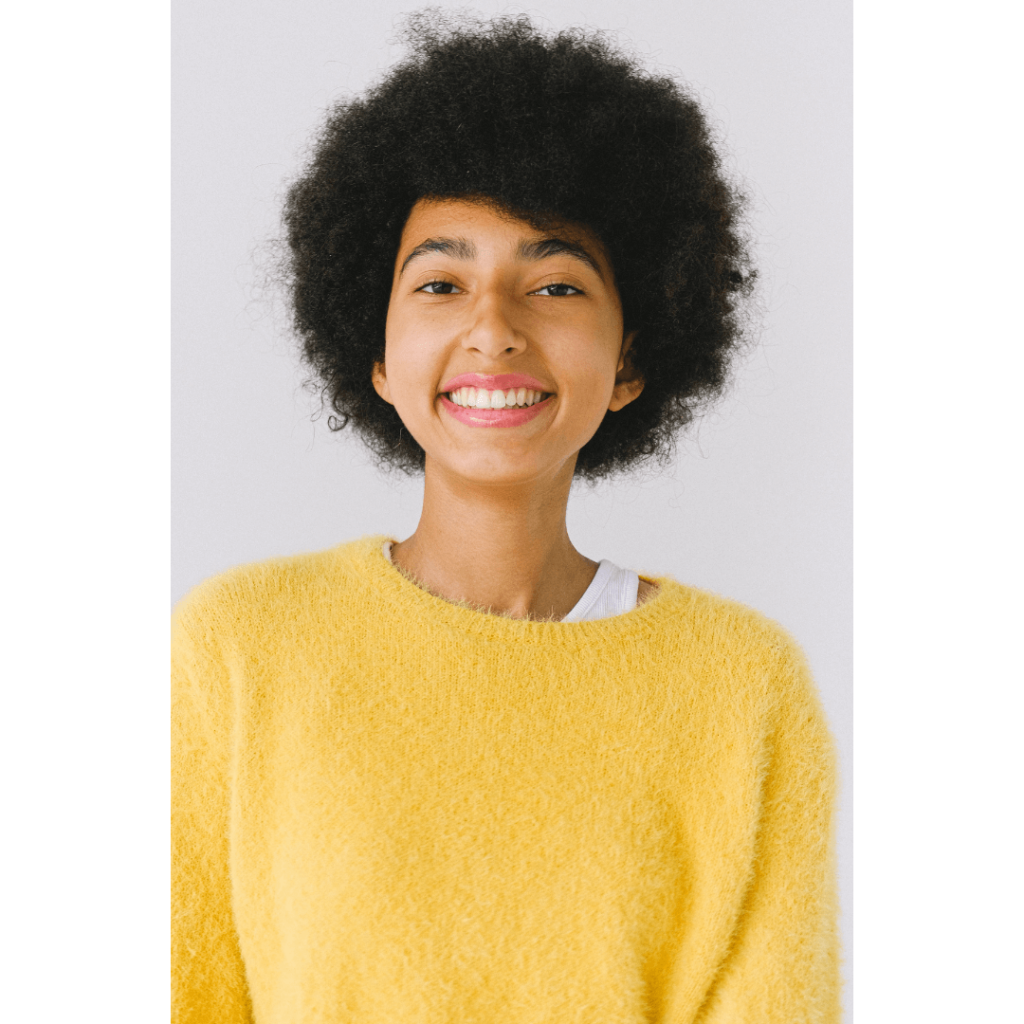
(479, 398)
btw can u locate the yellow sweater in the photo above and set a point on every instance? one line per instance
(390, 809)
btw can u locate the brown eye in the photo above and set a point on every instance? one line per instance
(438, 288)
(558, 290)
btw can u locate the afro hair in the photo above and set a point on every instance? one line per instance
(561, 128)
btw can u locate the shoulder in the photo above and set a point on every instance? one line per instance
(704, 617)
(727, 642)
(247, 596)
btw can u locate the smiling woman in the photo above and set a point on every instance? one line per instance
(544, 131)
(474, 774)
(483, 300)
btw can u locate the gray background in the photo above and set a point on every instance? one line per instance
(758, 504)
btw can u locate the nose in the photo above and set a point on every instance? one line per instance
(492, 331)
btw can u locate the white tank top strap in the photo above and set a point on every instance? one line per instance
(612, 591)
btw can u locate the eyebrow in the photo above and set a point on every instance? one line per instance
(463, 249)
(457, 248)
(545, 247)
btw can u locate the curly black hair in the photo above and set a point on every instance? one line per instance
(562, 128)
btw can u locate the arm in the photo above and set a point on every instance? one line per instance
(208, 976)
(784, 964)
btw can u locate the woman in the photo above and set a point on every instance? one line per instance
(475, 775)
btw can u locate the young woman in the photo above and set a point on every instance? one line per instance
(474, 775)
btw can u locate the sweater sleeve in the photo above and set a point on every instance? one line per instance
(783, 967)
(208, 976)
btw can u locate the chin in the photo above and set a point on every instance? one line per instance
(495, 468)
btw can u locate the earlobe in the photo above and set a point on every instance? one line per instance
(380, 383)
(624, 393)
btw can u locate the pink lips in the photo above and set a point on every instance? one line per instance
(499, 382)
(512, 417)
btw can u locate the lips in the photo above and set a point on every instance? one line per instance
(512, 417)
(497, 382)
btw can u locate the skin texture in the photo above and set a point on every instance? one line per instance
(492, 531)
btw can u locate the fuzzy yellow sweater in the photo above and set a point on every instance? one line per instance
(390, 809)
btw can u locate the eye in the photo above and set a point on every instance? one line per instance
(438, 288)
(558, 290)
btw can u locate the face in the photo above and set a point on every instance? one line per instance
(504, 344)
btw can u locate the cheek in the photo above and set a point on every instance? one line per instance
(411, 369)
(595, 362)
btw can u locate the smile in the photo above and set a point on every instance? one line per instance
(484, 411)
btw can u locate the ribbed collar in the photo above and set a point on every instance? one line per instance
(654, 615)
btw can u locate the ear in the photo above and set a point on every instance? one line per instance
(628, 383)
(380, 383)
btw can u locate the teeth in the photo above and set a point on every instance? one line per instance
(479, 398)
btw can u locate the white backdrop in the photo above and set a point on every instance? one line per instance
(758, 504)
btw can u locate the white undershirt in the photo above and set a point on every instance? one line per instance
(612, 591)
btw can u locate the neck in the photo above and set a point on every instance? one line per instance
(501, 548)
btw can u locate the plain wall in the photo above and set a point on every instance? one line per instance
(758, 504)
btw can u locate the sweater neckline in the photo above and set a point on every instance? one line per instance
(404, 595)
